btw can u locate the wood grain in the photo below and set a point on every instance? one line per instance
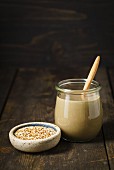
(108, 106)
(6, 80)
(33, 99)
(111, 121)
(35, 33)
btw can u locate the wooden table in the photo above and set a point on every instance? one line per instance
(29, 95)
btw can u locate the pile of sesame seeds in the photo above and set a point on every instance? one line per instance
(34, 132)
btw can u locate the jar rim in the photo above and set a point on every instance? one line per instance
(78, 80)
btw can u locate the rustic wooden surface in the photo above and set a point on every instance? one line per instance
(31, 97)
(108, 105)
(6, 80)
(45, 32)
(110, 124)
(54, 37)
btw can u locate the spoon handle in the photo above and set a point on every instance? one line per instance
(92, 73)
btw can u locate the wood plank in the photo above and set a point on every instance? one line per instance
(111, 121)
(111, 79)
(108, 106)
(46, 32)
(6, 78)
(33, 99)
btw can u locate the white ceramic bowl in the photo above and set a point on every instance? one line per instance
(37, 145)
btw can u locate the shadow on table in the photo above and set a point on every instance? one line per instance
(62, 147)
(108, 130)
(106, 133)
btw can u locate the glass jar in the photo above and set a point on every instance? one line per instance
(77, 112)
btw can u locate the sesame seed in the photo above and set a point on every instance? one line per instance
(34, 132)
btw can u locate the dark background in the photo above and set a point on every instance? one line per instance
(61, 33)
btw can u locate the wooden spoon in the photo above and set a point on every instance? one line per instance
(92, 73)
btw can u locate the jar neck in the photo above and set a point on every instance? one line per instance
(75, 86)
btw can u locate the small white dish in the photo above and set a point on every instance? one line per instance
(37, 145)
